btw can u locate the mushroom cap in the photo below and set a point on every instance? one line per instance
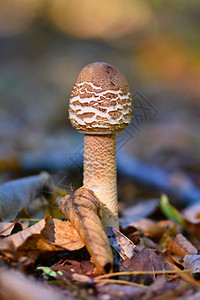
(100, 101)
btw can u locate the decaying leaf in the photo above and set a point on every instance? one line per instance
(147, 243)
(14, 285)
(46, 235)
(70, 267)
(17, 194)
(6, 228)
(62, 234)
(146, 260)
(192, 262)
(82, 208)
(146, 226)
(121, 243)
(180, 246)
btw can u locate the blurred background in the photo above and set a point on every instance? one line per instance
(45, 43)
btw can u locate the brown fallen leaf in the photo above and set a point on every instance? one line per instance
(14, 285)
(180, 246)
(7, 227)
(146, 242)
(82, 208)
(146, 226)
(70, 267)
(62, 234)
(46, 235)
(146, 260)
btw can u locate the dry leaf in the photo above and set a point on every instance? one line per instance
(7, 227)
(180, 246)
(147, 242)
(192, 262)
(63, 234)
(146, 260)
(46, 235)
(147, 227)
(17, 194)
(82, 208)
(121, 243)
(70, 267)
(13, 242)
(15, 286)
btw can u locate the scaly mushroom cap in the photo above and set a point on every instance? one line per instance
(100, 101)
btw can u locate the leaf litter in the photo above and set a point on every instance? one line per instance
(82, 208)
(79, 259)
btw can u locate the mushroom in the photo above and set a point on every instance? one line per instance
(101, 106)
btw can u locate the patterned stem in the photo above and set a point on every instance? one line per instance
(100, 174)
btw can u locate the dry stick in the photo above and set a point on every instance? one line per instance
(183, 274)
(141, 273)
(121, 282)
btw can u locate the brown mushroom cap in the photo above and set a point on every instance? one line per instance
(100, 101)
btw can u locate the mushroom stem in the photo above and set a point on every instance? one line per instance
(100, 174)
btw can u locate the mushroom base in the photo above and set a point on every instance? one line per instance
(100, 174)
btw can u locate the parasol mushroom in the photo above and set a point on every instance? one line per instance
(101, 106)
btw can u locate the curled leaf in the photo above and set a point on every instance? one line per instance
(46, 235)
(180, 246)
(82, 208)
(6, 227)
(124, 247)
